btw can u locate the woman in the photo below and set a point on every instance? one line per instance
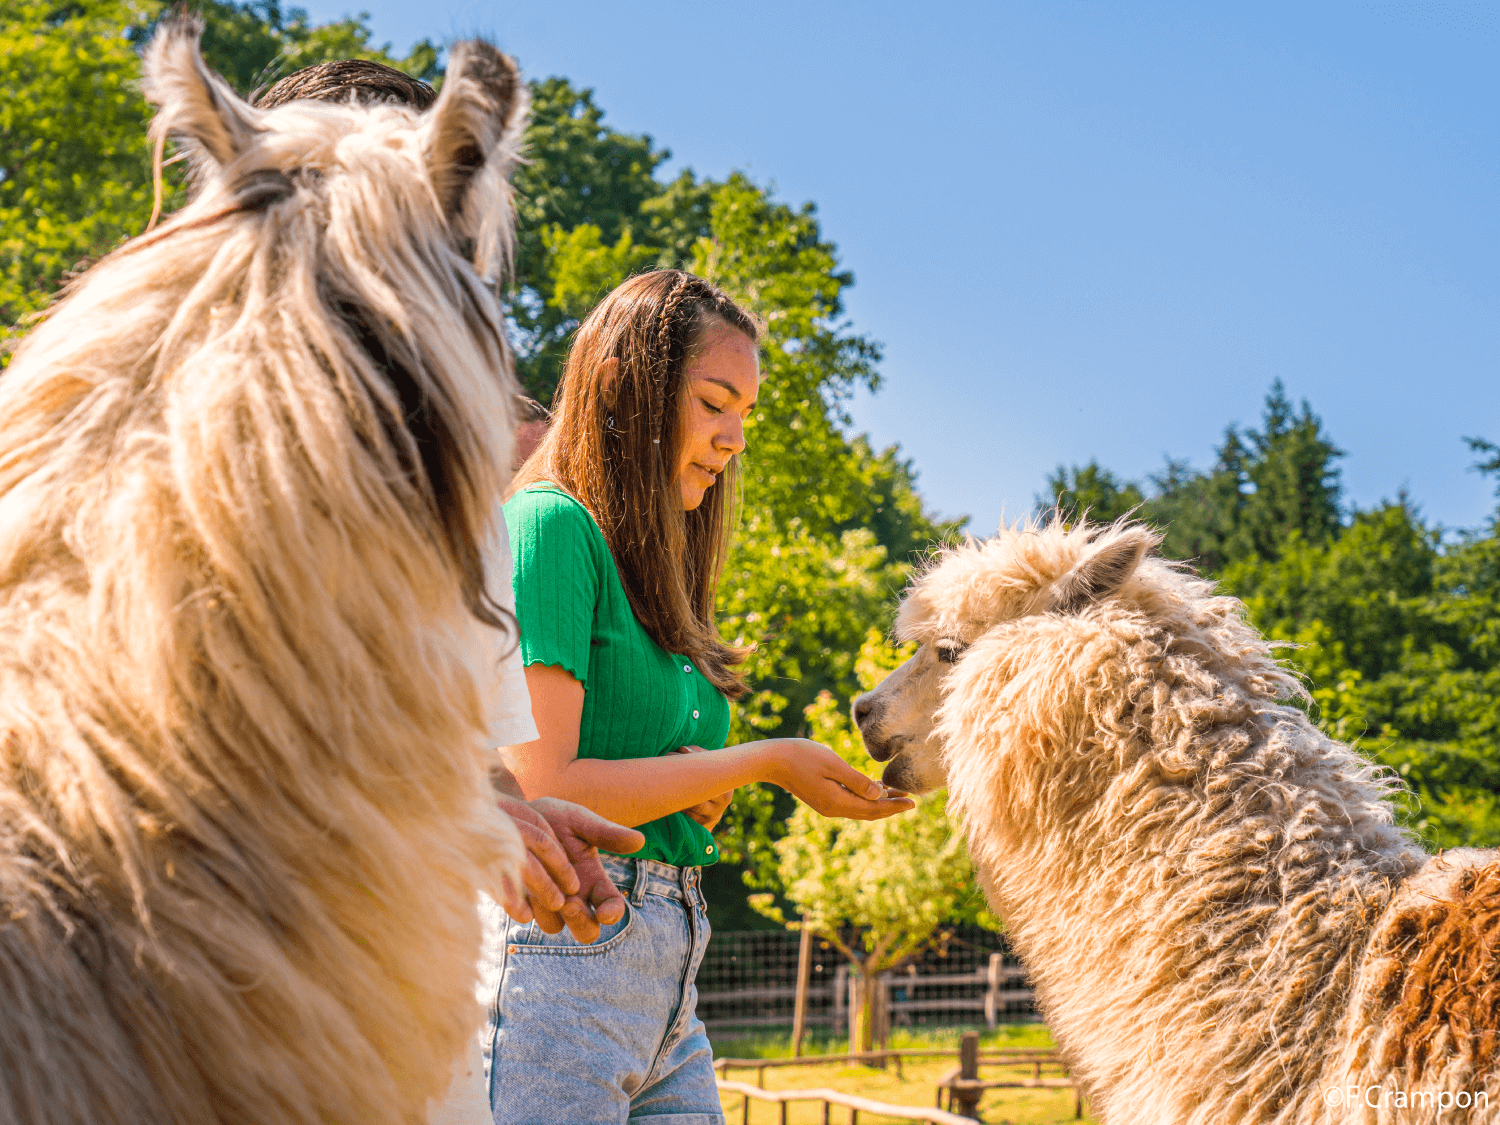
(620, 523)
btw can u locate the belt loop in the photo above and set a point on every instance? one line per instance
(638, 884)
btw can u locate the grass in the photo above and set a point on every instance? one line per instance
(916, 1086)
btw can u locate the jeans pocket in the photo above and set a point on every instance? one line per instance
(532, 939)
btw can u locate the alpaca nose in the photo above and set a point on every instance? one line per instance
(864, 708)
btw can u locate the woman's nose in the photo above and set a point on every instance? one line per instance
(732, 436)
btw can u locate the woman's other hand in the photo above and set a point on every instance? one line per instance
(707, 813)
(816, 775)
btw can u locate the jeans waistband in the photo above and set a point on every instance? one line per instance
(641, 877)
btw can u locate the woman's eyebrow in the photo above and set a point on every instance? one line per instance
(734, 392)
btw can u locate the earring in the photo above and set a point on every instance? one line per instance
(609, 421)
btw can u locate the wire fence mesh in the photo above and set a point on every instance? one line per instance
(749, 980)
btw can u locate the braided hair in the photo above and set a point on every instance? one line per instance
(613, 445)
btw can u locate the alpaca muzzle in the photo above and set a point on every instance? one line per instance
(866, 712)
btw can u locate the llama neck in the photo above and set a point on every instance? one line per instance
(1191, 941)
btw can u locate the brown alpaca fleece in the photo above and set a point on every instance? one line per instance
(1221, 918)
(246, 470)
(1444, 976)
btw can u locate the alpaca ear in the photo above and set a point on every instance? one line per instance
(473, 143)
(195, 106)
(1103, 571)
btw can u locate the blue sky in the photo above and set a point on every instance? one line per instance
(1100, 229)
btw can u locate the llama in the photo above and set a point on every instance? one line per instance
(1221, 918)
(246, 469)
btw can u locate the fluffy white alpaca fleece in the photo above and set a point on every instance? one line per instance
(244, 812)
(1222, 921)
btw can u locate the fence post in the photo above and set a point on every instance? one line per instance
(840, 997)
(880, 1018)
(966, 1102)
(856, 1014)
(992, 992)
(804, 971)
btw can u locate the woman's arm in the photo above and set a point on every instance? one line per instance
(638, 790)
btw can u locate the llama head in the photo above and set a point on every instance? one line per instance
(343, 260)
(467, 145)
(968, 596)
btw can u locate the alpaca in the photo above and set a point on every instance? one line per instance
(246, 469)
(1221, 917)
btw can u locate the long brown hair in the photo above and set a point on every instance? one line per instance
(614, 448)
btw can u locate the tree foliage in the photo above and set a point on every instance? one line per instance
(74, 162)
(1266, 487)
(75, 166)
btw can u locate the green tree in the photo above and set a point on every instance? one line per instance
(1293, 482)
(75, 166)
(879, 892)
(581, 227)
(1371, 587)
(1491, 465)
(1266, 487)
(1199, 512)
(74, 162)
(252, 43)
(1092, 492)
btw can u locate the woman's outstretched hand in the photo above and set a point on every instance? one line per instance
(815, 774)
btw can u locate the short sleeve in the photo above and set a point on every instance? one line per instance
(557, 577)
(510, 721)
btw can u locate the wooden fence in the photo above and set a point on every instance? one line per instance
(852, 1102)
(986, 991)
(995, 1056)
(962, 1087)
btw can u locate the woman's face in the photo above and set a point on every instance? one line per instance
(722, 381)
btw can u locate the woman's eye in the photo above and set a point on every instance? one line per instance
(710, 407)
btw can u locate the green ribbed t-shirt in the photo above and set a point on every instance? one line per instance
(639, 700)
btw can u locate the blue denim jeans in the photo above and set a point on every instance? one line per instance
(606, 1033)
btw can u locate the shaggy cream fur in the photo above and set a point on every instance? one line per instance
(1221, 918)
(245, 470)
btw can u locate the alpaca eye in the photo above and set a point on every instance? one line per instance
(949, 651)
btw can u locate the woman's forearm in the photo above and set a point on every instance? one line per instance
(634, 791)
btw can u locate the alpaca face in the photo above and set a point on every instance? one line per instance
(973, 590)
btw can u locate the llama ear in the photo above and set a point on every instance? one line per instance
(473, 143)
(194, 105)
(1103, 570)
